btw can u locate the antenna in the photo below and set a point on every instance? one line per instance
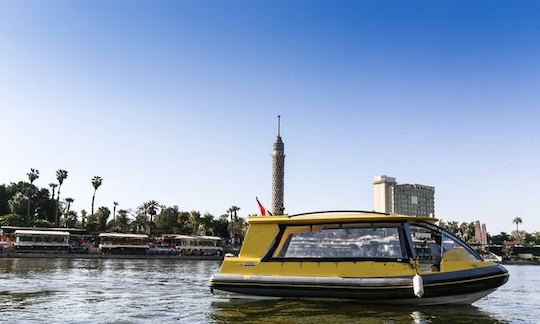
(278, 124)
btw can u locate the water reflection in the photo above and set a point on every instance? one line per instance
(297, 311)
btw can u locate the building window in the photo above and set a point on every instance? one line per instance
(414, 200)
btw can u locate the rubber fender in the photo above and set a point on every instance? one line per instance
(418, 286)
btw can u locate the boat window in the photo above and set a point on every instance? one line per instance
(433, 246)
(363, 241)
(427, 245)
(453, 250)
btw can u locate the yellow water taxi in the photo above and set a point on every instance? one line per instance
(355, 255)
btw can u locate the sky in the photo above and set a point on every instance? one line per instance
(176, 101)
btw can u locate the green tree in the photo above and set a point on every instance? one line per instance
(16, 203)
(115, 203)
(517, 221)
(71, 219)
(33, 175)
(96, 183)
(194, 222)
(500, 239)
(122, 220)
(221, 226)
(4, 198)
(167, 220)
(69, 202)
(102, 215)
(61, 175)
(207, 224)
(53, 188)
(84, 214)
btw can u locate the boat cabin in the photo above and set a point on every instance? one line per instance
(342, 240)
(41, 241)
(193, 245)
(120, 243)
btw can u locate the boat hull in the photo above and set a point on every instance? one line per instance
(456, 287)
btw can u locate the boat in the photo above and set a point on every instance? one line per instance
(356, 255)
(193, 245)
(41, 241)
(122, 243)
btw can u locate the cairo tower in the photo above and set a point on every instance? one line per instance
(278, 173)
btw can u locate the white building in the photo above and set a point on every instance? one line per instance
(405, 199)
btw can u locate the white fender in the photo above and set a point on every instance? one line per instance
(418, 286)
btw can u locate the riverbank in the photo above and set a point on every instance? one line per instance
(107, 256)
(520, 262)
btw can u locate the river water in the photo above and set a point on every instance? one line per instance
(137, 291)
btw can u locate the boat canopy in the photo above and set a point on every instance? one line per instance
(213, 238)
(123, 235)
(337, 216)
(29, 232)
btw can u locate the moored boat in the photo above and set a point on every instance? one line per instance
(365, 256)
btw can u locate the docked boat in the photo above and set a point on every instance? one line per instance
(352, 255)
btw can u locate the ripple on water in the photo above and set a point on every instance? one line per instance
(128, 291)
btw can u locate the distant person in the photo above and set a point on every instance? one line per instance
(436, 252)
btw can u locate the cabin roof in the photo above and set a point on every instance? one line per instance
(214, 238)
(29, 232)
(336, 216)
(123, 235)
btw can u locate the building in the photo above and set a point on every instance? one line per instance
(404, 199)
(480, 235)
(278, 173)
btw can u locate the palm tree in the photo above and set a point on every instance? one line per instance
(232, 226)
(122, 222)
(61, 175)
(53, 188)
(517, 221)
(151, 207)
(32, 176)
(96, 183)
(83, 217)
(69, 202)
(115, 203)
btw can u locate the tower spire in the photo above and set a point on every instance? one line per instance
(278, 125)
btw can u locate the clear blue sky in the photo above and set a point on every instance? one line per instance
(176, 101)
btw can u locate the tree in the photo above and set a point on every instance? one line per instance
(83, 217)
(69, 202)
(4, 198)
(16, 203)
(33, 175)
(517, 221)
(150, 208)
(102, 215)
(96, 183)
(115, 203)
(207, 224)
(122, 221)
(61, 175)
(221, 226)
(500, 238)
(53, 188)
(70, 219)
(167, 220)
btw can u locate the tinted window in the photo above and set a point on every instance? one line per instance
(335, 241)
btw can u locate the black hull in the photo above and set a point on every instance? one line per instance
(391, 290)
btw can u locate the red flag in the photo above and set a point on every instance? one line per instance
(261, 207)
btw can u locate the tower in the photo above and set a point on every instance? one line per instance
(278, 173)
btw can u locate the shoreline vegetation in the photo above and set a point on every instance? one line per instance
(23, 204)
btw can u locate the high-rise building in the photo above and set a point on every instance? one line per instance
(278, 173)
(405, 199)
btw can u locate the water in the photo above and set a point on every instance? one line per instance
(133, 291)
